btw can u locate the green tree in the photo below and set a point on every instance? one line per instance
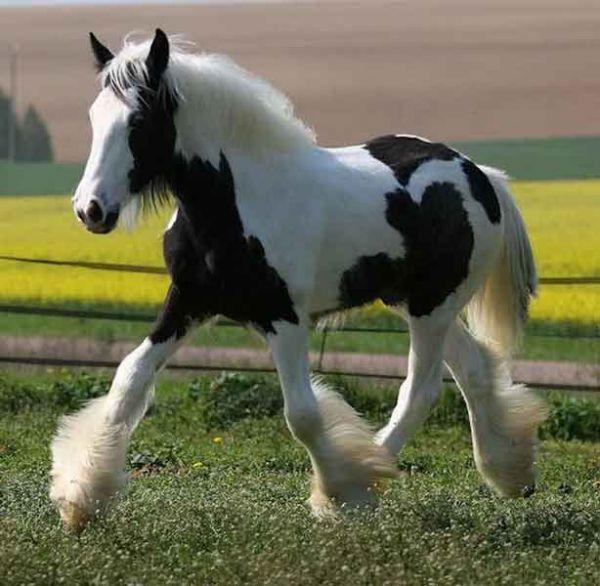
(6, 113)
(33, 140)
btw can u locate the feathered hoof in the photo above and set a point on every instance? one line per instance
(348, 465)
(74, 517)
(322, 507)
(508, 466)
(505, 451)
(331, 506)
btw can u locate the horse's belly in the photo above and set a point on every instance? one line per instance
(360, 239)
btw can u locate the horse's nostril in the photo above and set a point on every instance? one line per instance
(94, 212)
(80, 214)
(111, 219)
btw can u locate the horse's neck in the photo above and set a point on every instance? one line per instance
(251, 172)
(255, 134)
(230, 184)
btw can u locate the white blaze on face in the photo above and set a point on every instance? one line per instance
(105, 178)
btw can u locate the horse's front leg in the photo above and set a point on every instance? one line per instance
(346, 461)
(90, 447)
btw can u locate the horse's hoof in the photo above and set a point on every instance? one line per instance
(73, 516)
(325, 514)
(323, 508)
(528, 491)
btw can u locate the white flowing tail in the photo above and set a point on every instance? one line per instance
(497, 312)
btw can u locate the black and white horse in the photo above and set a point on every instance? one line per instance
(276, 232)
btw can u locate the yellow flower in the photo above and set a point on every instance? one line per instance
(217, 440)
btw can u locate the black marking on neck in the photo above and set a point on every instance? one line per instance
(217, 268)
(152, 137)
(439, 242)
(152, 133)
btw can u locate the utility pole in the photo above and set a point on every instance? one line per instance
(13, 57)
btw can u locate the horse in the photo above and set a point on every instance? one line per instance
(276, 232)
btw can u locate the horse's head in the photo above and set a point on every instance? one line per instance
(133, 132)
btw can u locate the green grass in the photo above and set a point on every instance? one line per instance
(232, 511)
(566, 157)
(38, 178)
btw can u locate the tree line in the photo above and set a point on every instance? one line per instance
(33, 140)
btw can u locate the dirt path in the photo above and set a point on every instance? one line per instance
(551, 374)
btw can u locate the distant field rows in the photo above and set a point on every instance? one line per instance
(562, 216)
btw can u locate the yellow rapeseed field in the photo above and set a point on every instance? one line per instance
(563, 218)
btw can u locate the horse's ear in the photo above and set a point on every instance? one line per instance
(158, 57)
(102, 54)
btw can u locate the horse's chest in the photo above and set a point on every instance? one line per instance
(228, 276)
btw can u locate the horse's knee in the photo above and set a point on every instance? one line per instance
(133, 383)
(137, 368)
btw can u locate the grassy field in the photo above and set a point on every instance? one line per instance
(218, 490)
(562, 217)
(562, 157)
(38, 178)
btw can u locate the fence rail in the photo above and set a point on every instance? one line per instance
(66, 312)
(189, 367)
(51, 311)
(153, 270)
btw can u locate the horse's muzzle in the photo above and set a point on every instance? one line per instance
(95, 220)
(106, 226)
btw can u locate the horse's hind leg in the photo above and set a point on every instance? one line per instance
(90, 447)
(422, 386)
(346, 461)
(504, 418)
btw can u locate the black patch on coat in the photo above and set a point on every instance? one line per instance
(374, 277)
(482, 190)
(405, 154)
(439, 242)
(216, 268)
(174, 318)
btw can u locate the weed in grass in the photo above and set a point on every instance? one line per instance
(573, 419)
(232, 397)
(68, 392)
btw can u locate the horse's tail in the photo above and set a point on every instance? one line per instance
(498, 311)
